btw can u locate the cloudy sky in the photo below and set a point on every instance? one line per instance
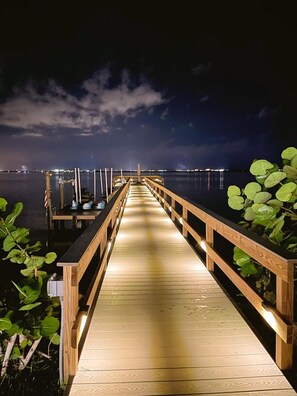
(110, 84)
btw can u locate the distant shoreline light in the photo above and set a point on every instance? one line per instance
(57, 170)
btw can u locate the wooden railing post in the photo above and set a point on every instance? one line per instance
(185, 218)
(70, 310)
(62, 194)
(48, 191)
(209, 240)
(173, 209)
(165, 200)
(285, 306)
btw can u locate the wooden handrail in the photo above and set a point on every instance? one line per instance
(75, 263)
(270, 256)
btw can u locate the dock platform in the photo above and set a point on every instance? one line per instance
(163, 326)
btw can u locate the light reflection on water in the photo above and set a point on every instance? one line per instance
(206, 188)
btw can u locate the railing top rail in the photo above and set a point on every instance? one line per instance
(76, 251)
(208, 216)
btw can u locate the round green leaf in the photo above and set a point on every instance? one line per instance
(5, 324)
(55, 339)
(233, 191)
(49, 326)
(260, 167)
(275, 203)
(251, 189)
(256, 207)
(262, 197)
(289, 153)
(236, 202)
(274, 178)
(50, 257)
(249, 214)
(294, 162)
(265, 215)
(8, 243)
(290, 172)
(3, 204)
(285, 193)
(240, 257)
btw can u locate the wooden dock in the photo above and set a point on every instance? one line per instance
(163, 326)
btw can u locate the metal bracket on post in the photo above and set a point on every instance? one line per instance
(55, 286)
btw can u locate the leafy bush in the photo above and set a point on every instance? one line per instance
(269, 209)
(27, 314)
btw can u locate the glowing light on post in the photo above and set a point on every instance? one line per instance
(83, 323)
(268, 314)
(203, 245)
(170, 209)
(109, 245)
(181, 220)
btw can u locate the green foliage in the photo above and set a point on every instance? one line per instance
(25, 308)
(269, 209)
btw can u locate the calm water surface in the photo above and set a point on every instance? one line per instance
(206, 188)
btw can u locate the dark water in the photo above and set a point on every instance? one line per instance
(206, 188)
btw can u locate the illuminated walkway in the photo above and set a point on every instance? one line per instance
(162, 325)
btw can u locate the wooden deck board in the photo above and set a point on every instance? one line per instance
(162, 325)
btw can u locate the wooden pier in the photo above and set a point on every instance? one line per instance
(161, 324)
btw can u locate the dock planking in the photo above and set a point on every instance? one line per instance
(163, 326)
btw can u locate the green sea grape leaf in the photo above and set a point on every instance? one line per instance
(274, 178)
(27, 271)
(55, 339)
(236, 202)
(18, 207)
(15, 329)
(260, 167)
(240, 257)
(24, 343)
(289, 153)
(261, 179)
(3, 204)
(16, 353)
(34, 261)
(277, 229)
(34, 248)
(275, 203)
(295, 206)
(16, 256)
(49, 326)
(21, 234)
(251, 189)
(248, 269)
(290, 171)
(256, 207)
(285, 193)
(28, 307)
(265, 215)
(294, 162)
(50, 257)
(233, 191)
(249, 214)
(262, 197)
(5, 324)
(32, 292)
(8, 243)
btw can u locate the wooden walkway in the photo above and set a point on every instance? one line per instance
(162, 325)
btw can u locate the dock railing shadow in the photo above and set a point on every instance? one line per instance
(279, 261)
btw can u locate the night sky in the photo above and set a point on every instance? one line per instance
(95, 84)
